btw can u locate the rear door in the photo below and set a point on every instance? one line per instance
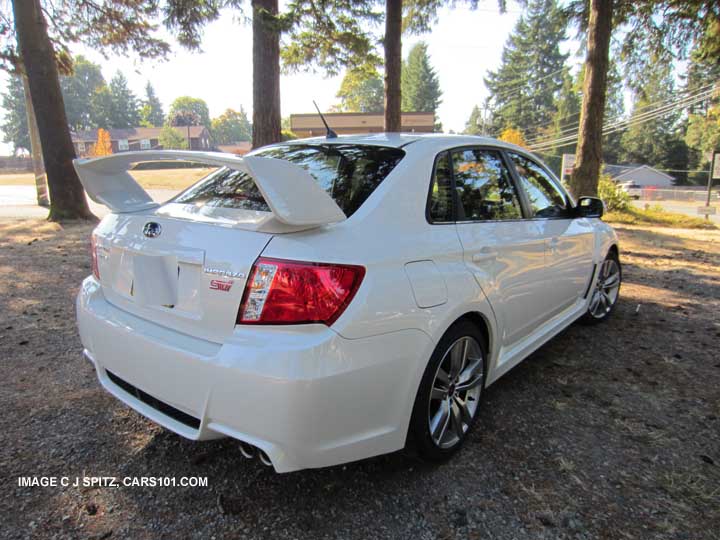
(504, 251)
(569, 240)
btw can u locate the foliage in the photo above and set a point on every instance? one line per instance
(151, 112)
(103, 146)
(329, 35)
(361, 90)
(658, 217)
(420, 85)
(170, 139)
(231, 126)
(523, 88)
(78, 89)
(188, 110)
(14, 123)
(474, 124)
(288, 135)
(615, 199)
(657, 142)
(124, 105)
(513, 136)
(116, 26)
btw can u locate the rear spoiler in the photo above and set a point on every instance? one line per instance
(292, 194)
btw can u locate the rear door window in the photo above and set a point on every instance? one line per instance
(440, 209)
(484, 187)
(348, 173)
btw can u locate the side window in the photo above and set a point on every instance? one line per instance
(546, 199)
(441, 191)
(484, 188)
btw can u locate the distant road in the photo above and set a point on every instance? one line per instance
(20, 202)
(682, 207)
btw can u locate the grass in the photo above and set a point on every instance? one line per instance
(656, 216)
(176, 179)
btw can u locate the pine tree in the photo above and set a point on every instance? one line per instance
(124, 112)
(475, 124)
(420, 88)
(524, 87)
(614, 110)
(656, 142)
(151, 113)
(14, 125)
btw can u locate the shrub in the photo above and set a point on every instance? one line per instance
(615, 198)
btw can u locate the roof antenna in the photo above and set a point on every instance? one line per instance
(329, 134)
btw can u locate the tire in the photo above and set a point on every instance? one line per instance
(444, 413)
(606, 292)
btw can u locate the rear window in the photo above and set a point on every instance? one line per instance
(348, 173)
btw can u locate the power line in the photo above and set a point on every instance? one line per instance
(634, 120)
(523, 82)
(574, 126)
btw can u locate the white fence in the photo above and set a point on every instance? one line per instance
(677, 194)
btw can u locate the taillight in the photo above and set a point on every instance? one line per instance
(294, 292)
(93, 252)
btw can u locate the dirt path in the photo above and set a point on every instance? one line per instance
(607, 432)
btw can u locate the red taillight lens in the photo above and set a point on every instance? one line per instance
(292, 292)
(93, 252)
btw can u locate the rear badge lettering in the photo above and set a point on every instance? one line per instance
(219, 285)
(224, 273)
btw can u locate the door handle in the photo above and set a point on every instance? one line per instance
(485, 254)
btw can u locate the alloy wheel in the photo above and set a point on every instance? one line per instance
(606, 289)
(455, 392)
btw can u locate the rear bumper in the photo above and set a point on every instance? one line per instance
(304, 395)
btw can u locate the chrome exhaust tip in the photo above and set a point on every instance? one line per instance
(264, 459)
(247, 450)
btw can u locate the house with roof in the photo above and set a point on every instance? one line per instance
(141, 138)
(642, 175)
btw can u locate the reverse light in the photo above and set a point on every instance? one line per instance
(94, 255)
(295, 292)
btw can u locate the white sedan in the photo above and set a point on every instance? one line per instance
(331, 299)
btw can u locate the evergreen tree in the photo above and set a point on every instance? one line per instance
(361, 90)
(78, 89)
(566, 116)
(420, 87)
(101, 107)
(231, 126)
(170, 139)
(614, 110)
(657, 142)
(151, 113)
(124, 106)
(14, 125)
(524, 88)
(475, 124)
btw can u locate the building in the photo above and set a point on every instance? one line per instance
(239, 148)
(642, 175)
(310, 125)
(141, 138)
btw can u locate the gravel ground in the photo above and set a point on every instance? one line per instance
(606, 432)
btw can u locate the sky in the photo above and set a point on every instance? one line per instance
(463, 46)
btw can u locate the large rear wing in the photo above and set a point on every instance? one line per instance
(291, 193)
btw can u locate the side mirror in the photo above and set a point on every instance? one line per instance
(590, 207)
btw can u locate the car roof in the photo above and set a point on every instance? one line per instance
(400, 140)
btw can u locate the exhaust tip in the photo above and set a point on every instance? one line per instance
(247, 450)
(264, 459)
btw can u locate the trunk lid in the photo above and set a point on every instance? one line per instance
(190, 277)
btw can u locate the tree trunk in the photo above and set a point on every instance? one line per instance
(588, 160)
(266, 73)
(393, 64)
(35, 148)
(67, 197)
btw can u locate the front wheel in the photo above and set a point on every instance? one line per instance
(606, 292)
(448, 399)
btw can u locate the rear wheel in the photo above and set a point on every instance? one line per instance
(448, 400)
(606, 292)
